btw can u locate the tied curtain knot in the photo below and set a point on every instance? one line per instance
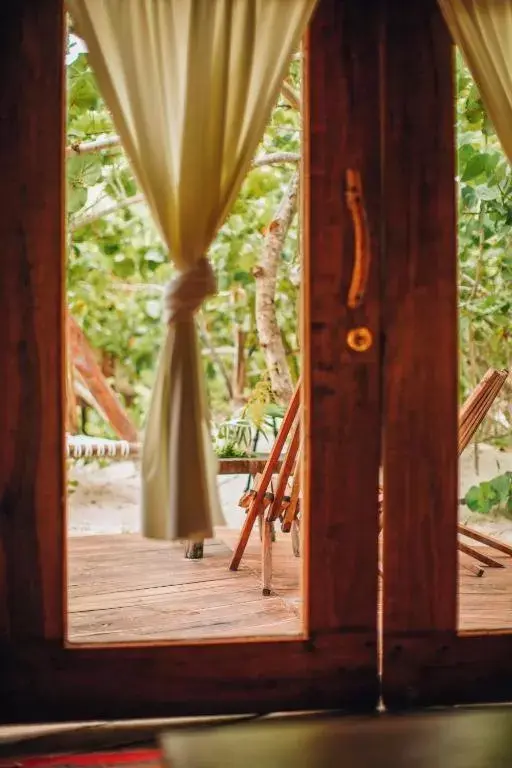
(185, 293)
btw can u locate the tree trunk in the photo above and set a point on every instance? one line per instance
(265, 274)
(239, 367)
(205, 338)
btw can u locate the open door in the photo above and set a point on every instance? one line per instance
(333, 663)
(429, 655)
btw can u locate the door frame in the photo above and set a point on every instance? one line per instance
(426, 661)
(335, 663)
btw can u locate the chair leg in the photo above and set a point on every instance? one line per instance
(261, 516)
(296, 537)
(490, 541)
(266, 478)
(194, 550)
(266, 558)
(474, 553)
(474, 569)
(261, 523)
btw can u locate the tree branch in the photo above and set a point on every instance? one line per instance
(86, 147)
(92, 217)
(135, 287)
(269, 333)
(276, 158)
(291, 95)
(205, 338)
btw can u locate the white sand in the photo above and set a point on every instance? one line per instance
(478, 465)
(106, 499)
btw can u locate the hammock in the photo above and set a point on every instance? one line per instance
(84, 447)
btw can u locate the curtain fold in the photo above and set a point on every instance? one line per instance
(482, 29)
(190, 85)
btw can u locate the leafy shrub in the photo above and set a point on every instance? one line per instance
(231, 451)
(492, 496)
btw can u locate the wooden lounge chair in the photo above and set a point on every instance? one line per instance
(472, 414)
(83, 370)
(276, 497)
(268, 500)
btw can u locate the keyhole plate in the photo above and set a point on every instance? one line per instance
(359, 339)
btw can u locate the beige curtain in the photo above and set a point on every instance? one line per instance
(482, 29)
(190, 84)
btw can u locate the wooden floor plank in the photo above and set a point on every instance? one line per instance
(126, 589)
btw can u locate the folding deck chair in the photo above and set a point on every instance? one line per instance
(268, 500)
(278, 496)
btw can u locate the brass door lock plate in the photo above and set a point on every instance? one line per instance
(359, 339)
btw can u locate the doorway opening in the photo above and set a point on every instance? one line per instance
(484, 191)
(121, 586)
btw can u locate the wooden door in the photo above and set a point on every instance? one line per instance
(334, 663)
(425, 659)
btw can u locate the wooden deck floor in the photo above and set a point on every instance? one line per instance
(124, 588)
(486, 603)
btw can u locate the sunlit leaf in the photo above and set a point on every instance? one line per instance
(84, 170)
(485, 192)
(123, 266)
(76, 198)
(475, 166)
(153, 309)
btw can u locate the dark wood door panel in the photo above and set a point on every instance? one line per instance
(335, 663)
(425, 660)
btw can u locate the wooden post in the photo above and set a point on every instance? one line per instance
(421, 356)
(335, 663)
(31, 310)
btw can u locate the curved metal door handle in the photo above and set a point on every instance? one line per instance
(362, 256)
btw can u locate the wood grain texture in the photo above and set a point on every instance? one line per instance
(124, 588)
(420, 317)
(45, 682)
(114, 579)
(425, 661)
(335, 665)
(31, 302)
(431, 669)
(341, 388)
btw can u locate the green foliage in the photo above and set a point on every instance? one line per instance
(485, 231)
(237, 435)
(230, 451)
(261, 410)
(493, 496)
(117, 265)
